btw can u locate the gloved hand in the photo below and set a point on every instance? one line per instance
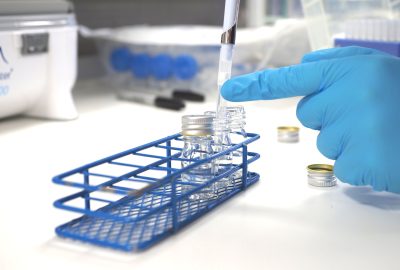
(352, 95)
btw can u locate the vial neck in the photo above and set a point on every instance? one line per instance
(196, 138)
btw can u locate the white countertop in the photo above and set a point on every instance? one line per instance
(279, 223)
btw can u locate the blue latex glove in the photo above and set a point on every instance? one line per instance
(352, 95)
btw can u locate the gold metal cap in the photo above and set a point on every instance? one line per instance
(320, 168)
(288, 129)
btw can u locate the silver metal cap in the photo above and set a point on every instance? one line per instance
(288, 134)
(321, 175)
(197, 125)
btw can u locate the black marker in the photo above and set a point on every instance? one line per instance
(152, 99)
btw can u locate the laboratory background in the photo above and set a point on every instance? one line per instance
(118, 151)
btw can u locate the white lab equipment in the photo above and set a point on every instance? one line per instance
(259, 12)
(328, 18)
(373, 29)
(38, 55)
(256, 13)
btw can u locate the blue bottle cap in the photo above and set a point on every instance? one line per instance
(119, 59)
(140, 65)
(162, 66)
(185, 67)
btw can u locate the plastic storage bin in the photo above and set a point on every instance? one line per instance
(134, 199)
(174, 57)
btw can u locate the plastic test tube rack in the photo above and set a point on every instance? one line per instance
(132, 200)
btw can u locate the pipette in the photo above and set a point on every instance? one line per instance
(227, 45)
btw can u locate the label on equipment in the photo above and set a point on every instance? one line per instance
(35, 43)
(5, 74)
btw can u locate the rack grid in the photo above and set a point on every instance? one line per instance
(134, 199)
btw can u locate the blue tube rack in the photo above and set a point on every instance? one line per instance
(132, 200)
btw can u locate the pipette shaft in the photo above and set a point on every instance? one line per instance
(227, 45)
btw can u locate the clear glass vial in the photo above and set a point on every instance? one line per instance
(236, 117)
(221, 142)
(229, 130)
(197, 131)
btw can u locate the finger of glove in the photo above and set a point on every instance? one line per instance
(359, 164)
(336, 53)
(298, 80)
(324, 108)
(331, 140)
(310, 111)
(347, 170)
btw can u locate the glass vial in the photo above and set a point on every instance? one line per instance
(236, 118)
(221, 142)
(197, 131)
(228, 130)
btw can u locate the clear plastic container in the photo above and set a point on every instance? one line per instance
(175, 57)
(327, 18)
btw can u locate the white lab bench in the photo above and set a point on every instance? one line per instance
(279, 223)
